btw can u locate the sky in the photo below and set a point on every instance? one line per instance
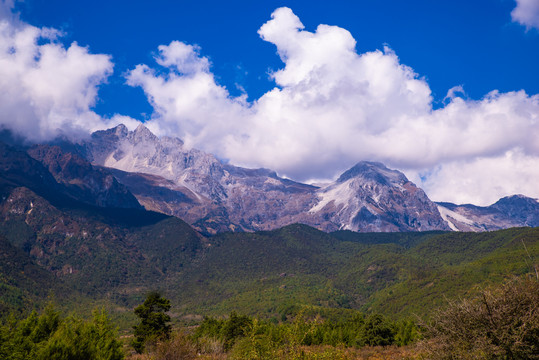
(445, 91)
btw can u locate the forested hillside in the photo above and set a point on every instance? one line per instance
(265, 273)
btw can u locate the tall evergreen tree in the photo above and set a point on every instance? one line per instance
(154, 321)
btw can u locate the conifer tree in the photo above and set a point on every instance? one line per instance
(154, 321)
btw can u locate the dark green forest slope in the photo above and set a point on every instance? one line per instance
(116, 258)
(61, 236)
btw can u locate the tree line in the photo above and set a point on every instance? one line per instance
(500, 323)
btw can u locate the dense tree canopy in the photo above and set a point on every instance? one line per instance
(49, 337)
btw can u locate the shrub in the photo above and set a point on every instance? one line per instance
(501, 323)
(48, 337)
(179, 347)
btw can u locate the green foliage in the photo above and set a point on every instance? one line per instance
(253, 338)
(228, 331)
(49, 337)
(236, 326)
(378, 331)
(154, 322)
(406, 332)
(268, 274)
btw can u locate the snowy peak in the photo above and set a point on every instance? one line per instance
(371, 197)
(510, 211)
(165, 176)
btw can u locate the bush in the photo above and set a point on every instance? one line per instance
(378, 331)
(502, 323)
(179, 347)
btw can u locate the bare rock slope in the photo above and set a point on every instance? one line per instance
(167, 177)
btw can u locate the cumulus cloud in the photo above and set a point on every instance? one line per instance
(46, 88)
(526, 13)
(186, 99)
(332, 107)
(483, 180)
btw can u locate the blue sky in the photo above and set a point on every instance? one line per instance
(470, 43)
(445, 91)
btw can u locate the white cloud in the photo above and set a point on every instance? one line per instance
(483, 180)
(332, 107)
(46, 88)
(186, 99)
(526, 13)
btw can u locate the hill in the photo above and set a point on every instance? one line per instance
(56, 237)
(393, 273)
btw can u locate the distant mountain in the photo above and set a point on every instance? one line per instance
(371, 197)
(118, 168)
(510, 211)
(216, 197)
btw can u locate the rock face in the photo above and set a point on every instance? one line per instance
(371, 197)
(118, 168)
(511, 211)
(84, 182)
(212, 196)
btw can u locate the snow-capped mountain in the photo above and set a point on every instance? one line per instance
(510, 211)
(197, 187)
(125, 169)
(371, 197)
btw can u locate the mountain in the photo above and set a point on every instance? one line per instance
(371, 197)
(84, 182)
(214, 197)
(88, 247)
(52, 238)
(118, 168)
(510, 211)
(23, 283)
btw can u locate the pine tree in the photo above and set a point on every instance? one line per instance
(153, 324)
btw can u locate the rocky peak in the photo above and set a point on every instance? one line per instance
(516, 201)
(120, 131)
(114, 133)
(142, 133)
(373, 172)
(519, 207)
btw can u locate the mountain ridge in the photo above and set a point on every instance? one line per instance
(231, 198)
(137, 169)
(215, 197)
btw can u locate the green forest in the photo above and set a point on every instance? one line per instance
(291, 293)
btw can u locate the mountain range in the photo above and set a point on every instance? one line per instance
(213, 197)
(118, 168)
(85, 232)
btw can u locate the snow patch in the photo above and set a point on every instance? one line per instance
(447, 214)
(272, 181)
(340, 194)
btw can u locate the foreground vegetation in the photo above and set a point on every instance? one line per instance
(500, 323)
(48, 336)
